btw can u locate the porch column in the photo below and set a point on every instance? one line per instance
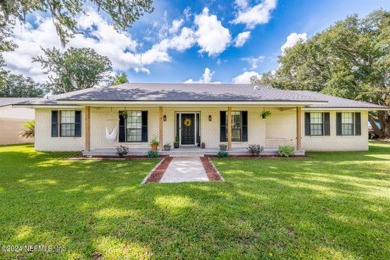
(229, 115)
(299, 128)
(87, 128)
(160, 127)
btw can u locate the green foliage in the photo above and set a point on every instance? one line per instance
(286, 150)
(152, 154)
(29, 130)
(255, 149)
(123, 13)
(350, 59)
(332, 204)
(266, 114)
(122, 150)
(223, 154)
(75, 69)
(12, 85)
(154, 141)
(120, 79)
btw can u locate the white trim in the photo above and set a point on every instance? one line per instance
(191, 103)
(343, 108)
(196, 132)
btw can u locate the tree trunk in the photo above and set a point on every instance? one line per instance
(384, 120)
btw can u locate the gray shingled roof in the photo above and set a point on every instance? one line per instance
(336, 101)
(193, 92)
(11, 101)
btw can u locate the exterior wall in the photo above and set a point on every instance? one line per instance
(278, 129)
(43, 139)
(334, 142)
(11, 123)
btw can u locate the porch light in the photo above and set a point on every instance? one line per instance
(165, 118)
(210, 118)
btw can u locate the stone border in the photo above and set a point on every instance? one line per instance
(211, 171)
(158, 171)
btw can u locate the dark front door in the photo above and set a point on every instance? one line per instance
(187, 128)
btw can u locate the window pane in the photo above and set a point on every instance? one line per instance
(347, 129)
(346, 118)
(316, 129)
(68, 116)
(67, 125)
(316, 118)
(236, 126)
(67, 129)
(134, 126)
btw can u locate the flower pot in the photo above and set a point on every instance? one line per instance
(154, 147)
(202, 145)
(176, 145)
(167, 148)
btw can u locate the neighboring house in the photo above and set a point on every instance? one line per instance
(195, 113)
(12, 120)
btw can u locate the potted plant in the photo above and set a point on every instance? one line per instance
(154, 144)
(167, 147)
(176, 143)
(223, 147)
(121, 150)
(202, 145)
(265, 114)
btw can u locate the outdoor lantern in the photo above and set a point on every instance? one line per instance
(165, 118)
(210, 118)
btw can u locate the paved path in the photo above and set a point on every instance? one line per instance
(184, 169)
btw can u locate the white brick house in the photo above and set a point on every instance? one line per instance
(199, 113)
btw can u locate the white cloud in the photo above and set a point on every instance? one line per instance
(242, 38)
(293, 39)
(252, 16)
(245, 78)
(253, 61)
(212, 37)
(206, 77)
(176, 25)
(187, 13)
(242, 4)
(119, 47)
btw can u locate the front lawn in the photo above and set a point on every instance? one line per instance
(333, 205)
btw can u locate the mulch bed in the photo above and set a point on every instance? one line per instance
(114, 157)
(159, 171)
(211, 171)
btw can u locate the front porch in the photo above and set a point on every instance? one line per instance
(185, 152)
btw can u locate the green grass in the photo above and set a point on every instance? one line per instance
(333, 205)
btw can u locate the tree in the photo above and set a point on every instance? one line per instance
(123, 13)
(120, 78)
(19, 86)
(350, 59)
(29, 130)
(75, 69)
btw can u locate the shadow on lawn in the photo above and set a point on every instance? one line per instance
(283, 208)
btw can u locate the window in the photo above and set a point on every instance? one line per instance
(239, 126)
(68, 119)
(66, 123)
(236, 126)
(348, 123)
(134, 126)
(317, 124)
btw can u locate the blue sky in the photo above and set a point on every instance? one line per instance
(198, 41)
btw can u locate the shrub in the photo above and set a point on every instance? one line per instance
(223, 154)
(286, 150)
(255, 149)
(153, 154)
(121, 150)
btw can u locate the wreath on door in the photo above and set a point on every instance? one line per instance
(187, 122)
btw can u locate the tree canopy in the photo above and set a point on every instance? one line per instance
(75, 69)
(123, 13)
(19, 86)
(119, 79)
(350, 59)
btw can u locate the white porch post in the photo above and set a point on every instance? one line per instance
(299, 128)
(229, 115)
(87, 129)
(160, 127)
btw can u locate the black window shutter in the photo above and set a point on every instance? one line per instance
(307, 124)
(122, 128)
(338, 124)
(222, 136)
(327, 124)
(358, 127)
(144, 126)
(244, 115)
(54, 123)
(77, 125)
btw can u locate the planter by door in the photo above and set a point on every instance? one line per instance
(154, 147)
